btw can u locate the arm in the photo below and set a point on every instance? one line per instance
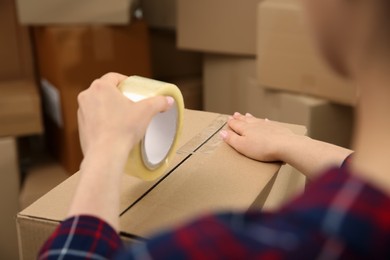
(109, 126)
(264, 140)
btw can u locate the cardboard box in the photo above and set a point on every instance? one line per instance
(49, 12)
(9, 190)
(15, 49)
(168, 61)
(20, 108)
(196, 183)
(287, 56)
(160, 13)
(324, 120)
(230, 85)
(288, 184)
(191, 89)
(218, 26)
(69, 59)
(39, 179)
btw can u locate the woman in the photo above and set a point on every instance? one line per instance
(345, 212)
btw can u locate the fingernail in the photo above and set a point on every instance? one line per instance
(248, 114)
(237, 114)
(223, 134)
(266, 120)
(170, 100)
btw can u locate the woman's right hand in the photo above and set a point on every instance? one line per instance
(259, 139)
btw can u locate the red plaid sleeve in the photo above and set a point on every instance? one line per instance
(82, 237)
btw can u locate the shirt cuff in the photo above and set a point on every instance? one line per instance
(86, 236)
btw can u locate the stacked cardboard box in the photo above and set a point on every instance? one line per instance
(9, 192)
(288, 59)
(217, 26)
(20, 115)
(240, 77)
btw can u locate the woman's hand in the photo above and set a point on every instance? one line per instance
(110, 125)
(109, 119)
(256, 138)
(268, 141)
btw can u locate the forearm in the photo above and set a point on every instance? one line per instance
(311, 157)
(97, 193)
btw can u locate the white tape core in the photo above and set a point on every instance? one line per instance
(159, 137)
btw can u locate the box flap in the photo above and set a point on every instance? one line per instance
(39, 12)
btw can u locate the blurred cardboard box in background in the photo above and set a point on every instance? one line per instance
(15, 45)
(217, 26)
(20, 108)
(9, 192)
(169, 62)
(325, 121)
(191, 89)
(69, 59)
(287, 57)
(159, 14)
(230, 85)
(49, 12)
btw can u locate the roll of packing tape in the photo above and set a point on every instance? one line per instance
(150, 158)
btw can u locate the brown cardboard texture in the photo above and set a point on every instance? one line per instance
(218, 26)
(49, 12)
(230, 85)
(9, 190)
(287, 56)
(20, 108)
(206, 175)
(70, 58)
(15, 48)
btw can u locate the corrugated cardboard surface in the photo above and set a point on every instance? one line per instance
(230, 85)
(71, 57)
(324, 120)
(9, 190)
(160, 13)
(20, 108)
(39, 12)
(206, 175)
(219, 26)
(15, 49)
(288, 59)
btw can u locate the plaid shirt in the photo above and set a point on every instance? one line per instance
(338, 217)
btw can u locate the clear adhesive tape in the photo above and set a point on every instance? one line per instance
(151, 157)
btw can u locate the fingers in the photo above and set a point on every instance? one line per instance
(113, 78)
(237, 126)
(155, 105)
(232, 139)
